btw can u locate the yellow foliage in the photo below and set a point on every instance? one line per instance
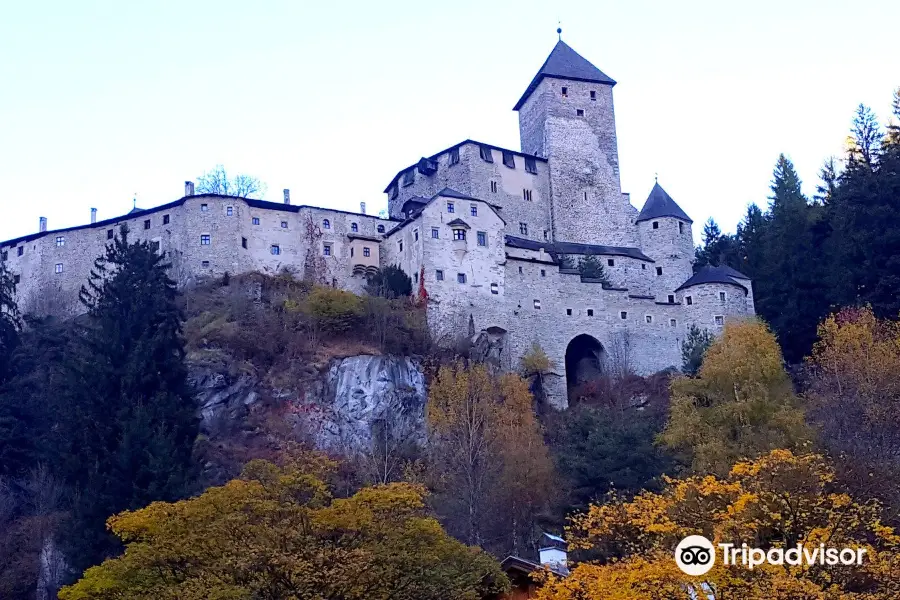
(778, 500)
(536, 361)
(740, 405)
(333, 309)
(276, 533)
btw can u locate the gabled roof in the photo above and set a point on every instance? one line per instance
(565, 63)
(573, 248)
(451, 193)
(458, 223)
(715, 275)
(444, 193)
(522, 565)
(660, 204)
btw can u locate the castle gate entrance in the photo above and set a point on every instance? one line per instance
(584, 360)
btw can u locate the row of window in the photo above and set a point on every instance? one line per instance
(486, 154)
(656, 225)
(565, 93)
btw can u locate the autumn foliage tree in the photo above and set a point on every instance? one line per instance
(277, 533)
(777, 501)
(492, 470)
(740, 405)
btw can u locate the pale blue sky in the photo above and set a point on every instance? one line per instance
(102, 100)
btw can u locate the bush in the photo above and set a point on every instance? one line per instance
(693, 348)
(590, 267)
(390, 282)
(334, 310)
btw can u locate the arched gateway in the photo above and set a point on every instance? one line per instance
(584, 360)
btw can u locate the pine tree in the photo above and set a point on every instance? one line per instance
(717, 249)
(867, 138)
(128, 423)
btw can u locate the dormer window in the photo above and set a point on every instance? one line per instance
(409, 177)
(393, 192)
(459, 234)
(454, 156)
(354, 227)
(486, 154)
(530, 165)
(509, 159)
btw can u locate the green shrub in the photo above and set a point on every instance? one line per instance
(390, 282)
(334, 310)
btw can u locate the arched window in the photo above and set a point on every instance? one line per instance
(354, 227)
(326, 224)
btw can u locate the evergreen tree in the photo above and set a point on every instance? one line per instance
(389, 282)
(750, 235)
(866, 137)
(10, 322)
(717, 249)
(590, 267)
(128, 423)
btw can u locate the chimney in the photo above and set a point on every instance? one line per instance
(42, 224)
(287, 196)
(188, 188)
(93, 215)
(362, 207)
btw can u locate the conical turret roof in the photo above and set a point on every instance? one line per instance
(660, 204)
(565, 63)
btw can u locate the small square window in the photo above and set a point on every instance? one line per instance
(648, 318)
(623, 315)
(326, 250)
(416, 235)
(643, 266)
(450, 207)
(165, 219)
(720, 320)
(722, 296)
(565, 91)
(673, 323)
(275, 249)
(688, 300)
(543, 272)
(482, 238)
(459, 234)
(509, 160)
(439, 275)
(460, 278)
(326, 224)
(655, 224)
(243, 242)
(486, 154)
(537, 304)
(59, 268)
(229, 211)
(147, 224)
(495, 289)
(204, 207)
(381, 229)
(109, 234)
(610, 262)
(593, 95)
(204, 240)
(658, 271)
(454, 156)
(21, 250)
(60, 241)
(680, 227)
(523, 228)
(255, 220)
(671, 299)
(530, 165)
(590, 312)
(569, 312)
(435, 233)
(579, 112)
(284, 225)
(473, 210)
(367, 252)
(204, 264)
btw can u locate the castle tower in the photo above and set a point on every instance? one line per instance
(566, 115)
(666, 237)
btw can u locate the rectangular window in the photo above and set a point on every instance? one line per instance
(722, 296)
(4, 256)
(409, 177)
(460, 278)
(17, 278)
(275, 249)
(546, 235)
(450, 207)
(648, 318)
(229, 211)
(720, 320)
(147, 224)
(473, 210)
(255, 220)
(688, 300)
(21, 250)
(354, 227)
(59, 268)
(530, 165)
(439, 275)
(643, 266)
(493, 187)
(593, 95)
(509, 160)
(579, 112)
(459, 234)
(671, 299)
(326, 250)
(495, 289)
(520, 270)
(284, 224)
(435, 233)
(367, 252)
(165, 219)
(393, 192)
(109, 234)
(400, 246)
(154, 245)
(655, 224)
(454, 156)
(416, 277)
(565, 91)
(611, 262)
(673, 323)
(486, 154)
(243, 242)
(680, 227)
(590, 312)
(204, 207)
(204, 264)
(658, 271)
(523, 228)
(416, 234)
(204, 240)
(526, 195)
(482, 238)
(623, 314)
(537, 304)
(60, 241)
(543, 272)
(351, 251)
(568, 312)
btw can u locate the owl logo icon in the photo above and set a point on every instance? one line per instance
(695, 555)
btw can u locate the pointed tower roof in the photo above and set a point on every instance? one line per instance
(565, 63)
(660, 204)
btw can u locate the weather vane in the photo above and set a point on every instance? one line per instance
(559, 29)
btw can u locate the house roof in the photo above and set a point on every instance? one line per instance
(660, 204)
(515, 563)
(462, 143)
(715, 275)
(565, 63)
(444, 193)
(573, 248)
(458, 223)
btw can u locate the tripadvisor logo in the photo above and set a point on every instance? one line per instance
(696, 555)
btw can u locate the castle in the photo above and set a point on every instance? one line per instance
(495, 234)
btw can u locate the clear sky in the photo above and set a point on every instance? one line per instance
(100, 101)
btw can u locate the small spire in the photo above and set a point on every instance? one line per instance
(134, 201)
(656, 177)
(559, 30)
